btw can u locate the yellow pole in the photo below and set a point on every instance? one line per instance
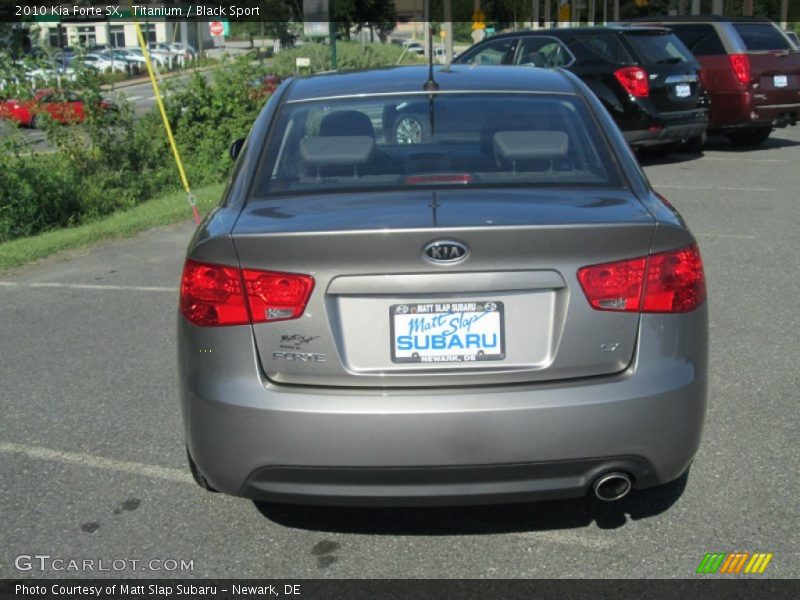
(162, 110)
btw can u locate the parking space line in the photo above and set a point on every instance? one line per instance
(713, 189)
(98, 462)
(742, 159)
(87, 286)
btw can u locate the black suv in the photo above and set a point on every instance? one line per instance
(644, 76)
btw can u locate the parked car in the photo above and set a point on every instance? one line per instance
(164, 49)
(160, 60)
(752, 73)
(65, 107)
(413, 47)
(644, 76)
(128, 63)
(506, 312)
(184, 50)
(136, 58)
(104, 63)
(52, 71)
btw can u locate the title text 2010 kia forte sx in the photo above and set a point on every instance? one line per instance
(506, 311)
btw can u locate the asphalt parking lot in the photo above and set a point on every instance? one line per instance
(93, 462)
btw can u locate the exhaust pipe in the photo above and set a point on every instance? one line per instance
(612, 486)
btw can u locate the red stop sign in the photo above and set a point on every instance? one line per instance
(216, 27)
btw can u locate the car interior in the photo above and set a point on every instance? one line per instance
(329, 146)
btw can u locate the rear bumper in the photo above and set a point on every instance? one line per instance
(661, 131)
(442, 446)
(737, 110)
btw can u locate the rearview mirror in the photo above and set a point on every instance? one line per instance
(236, 148)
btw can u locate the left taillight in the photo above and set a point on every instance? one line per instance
(740, 64)
(635, 80)
(665, 282)
(219, 295)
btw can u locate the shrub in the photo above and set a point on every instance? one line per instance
(207, 118)
(349, 55)
(37, 192)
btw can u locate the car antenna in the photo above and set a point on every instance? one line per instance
(430, 85)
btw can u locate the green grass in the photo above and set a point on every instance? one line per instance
(164, 210)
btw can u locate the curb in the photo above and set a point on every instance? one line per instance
(146, 78)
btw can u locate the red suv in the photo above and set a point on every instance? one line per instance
(751, 71)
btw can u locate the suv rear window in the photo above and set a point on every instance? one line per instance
(702, 40)
(599, 48)
(762, 36)
(659, 49)
(400, 141)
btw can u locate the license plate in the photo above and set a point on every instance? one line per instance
(447, 332)
(781, 81)
(683, 90)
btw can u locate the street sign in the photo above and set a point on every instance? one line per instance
(302, 61)
(216, 28)
(316, 29)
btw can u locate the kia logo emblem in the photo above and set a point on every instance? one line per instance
(445, 252)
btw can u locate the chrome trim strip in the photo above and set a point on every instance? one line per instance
(758, 106)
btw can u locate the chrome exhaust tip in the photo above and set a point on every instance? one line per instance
(612, 486)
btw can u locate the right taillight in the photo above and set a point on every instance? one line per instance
(634, 80)
(218, 295)
(740, 64)
(666, 282)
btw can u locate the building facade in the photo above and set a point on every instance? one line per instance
(122, 34)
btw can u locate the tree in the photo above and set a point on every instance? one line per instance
(374, 15)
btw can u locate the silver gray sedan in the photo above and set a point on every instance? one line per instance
(493, 307)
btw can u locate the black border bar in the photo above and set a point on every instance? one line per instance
(701, 587)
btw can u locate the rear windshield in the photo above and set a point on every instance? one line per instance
(599, 48)
(701, 39)
(396, 142)
(659, 49)
(762, 36)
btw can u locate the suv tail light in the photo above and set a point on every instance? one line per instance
(666, 282)
(740, 63)
(634, 80)
(216, 295)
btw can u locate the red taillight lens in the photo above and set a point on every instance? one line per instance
(667, 282)
(740, 63)
(675, 281)
(634, 80)
(218, 295)
(454, 178)
(276, 296)
(614, 286)
(211, 295)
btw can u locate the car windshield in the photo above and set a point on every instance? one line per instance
(762, 36)
(659, 49)
(445, 139)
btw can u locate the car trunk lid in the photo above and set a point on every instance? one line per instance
(374, 284)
